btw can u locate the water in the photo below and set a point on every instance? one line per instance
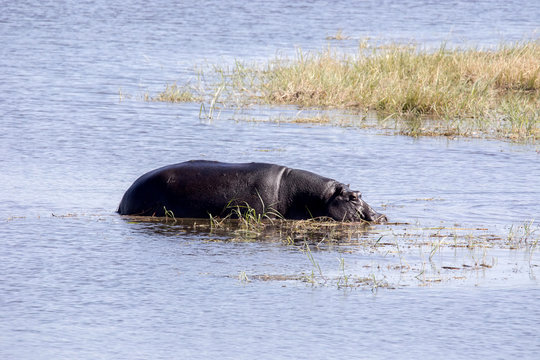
(78, 281)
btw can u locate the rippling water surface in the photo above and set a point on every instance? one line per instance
(78, 281)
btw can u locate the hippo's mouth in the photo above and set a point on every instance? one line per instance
(370, 216)
(381, 219)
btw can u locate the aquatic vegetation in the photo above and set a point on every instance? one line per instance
(523, 234)
(249, 223)
(419, 92)
(444, 92)
(175, 94)
(169, 215)
(343, 280)
(373, 257)
(242, 277)
(316, 268)
(209, 115)
(338, 36)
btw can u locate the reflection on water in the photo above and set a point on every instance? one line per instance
(461, 254)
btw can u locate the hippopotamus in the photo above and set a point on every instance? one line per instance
(201, 188)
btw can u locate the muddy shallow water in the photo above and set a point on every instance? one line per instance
(455, 272)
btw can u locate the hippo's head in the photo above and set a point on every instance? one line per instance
(347, 205)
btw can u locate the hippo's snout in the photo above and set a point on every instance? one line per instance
(375, 217)
(366, 213)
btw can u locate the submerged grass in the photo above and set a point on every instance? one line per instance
(464, 90)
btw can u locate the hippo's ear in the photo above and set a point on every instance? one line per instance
(354, 195)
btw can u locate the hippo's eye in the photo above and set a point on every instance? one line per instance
(353, 197)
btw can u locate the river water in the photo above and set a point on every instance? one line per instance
(79, 281)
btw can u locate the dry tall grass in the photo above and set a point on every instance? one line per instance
(494, 90)
(175, 94)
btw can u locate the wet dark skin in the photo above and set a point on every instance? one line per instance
(199, 188)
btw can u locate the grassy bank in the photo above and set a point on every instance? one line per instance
(442, 92)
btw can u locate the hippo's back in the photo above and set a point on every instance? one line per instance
(197, 188)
